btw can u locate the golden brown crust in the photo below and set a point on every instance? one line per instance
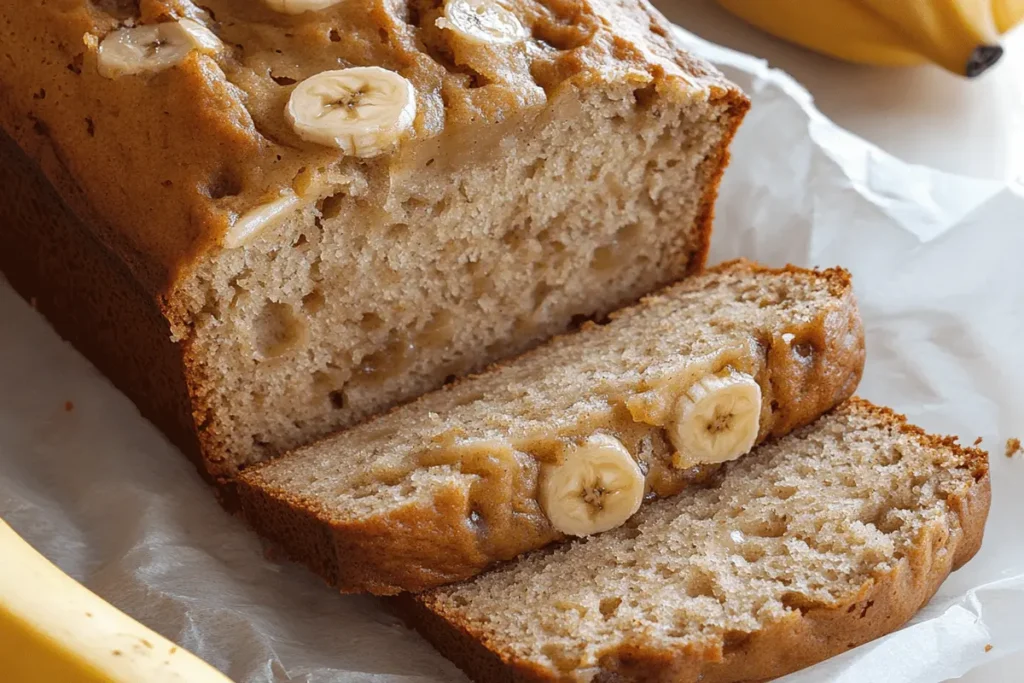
(715, 166)
(467, 648)
(807, 635)
(224, 142)
(90, 296)
(414, 548)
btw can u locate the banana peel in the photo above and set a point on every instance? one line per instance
(1007, 14)
(53, 629)
(961, 36)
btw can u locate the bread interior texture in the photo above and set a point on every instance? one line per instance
(462, 252)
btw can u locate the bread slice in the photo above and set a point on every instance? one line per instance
(815, 543)
(252, 290)
(440, 489)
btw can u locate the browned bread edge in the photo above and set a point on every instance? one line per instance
(90, 296)
(715, 166)
(807, 636)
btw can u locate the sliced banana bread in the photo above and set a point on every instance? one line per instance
(816, 543)
(268, 219)
(568, 439)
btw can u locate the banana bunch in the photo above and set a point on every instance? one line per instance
(54, 630)
(961, 36)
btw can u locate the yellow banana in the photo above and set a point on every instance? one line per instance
(54, 630)
(1007, 13)
(959, 35)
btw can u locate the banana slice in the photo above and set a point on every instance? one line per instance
(482, 21)
(596, 487)
(362, 111)
(251, 224)
(717, 419)
(299, 6)
(153, 47)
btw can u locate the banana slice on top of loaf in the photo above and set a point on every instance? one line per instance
(569, 439)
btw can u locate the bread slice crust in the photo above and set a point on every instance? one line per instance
(416, 547)
(808, 633)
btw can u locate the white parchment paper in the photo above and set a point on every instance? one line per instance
(938, 263)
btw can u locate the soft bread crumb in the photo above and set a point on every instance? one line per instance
(356, 469)
(1013, 447)
(300, 333)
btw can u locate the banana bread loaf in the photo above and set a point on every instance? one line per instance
(812, 545)
(567, 439)
(268, 219)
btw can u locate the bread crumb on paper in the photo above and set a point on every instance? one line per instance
(977, 442)
(988, 648)
(1013, 447)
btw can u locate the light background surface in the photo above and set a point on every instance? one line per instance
(922, 115)
(100, 491)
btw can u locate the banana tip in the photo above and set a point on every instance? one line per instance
(982, 59)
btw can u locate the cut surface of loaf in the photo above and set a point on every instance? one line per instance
(817, 542)
(439, 489)
(252, 289)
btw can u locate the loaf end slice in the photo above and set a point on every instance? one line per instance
(819, 542)
(440, 489)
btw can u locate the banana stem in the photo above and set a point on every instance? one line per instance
(982, 59)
